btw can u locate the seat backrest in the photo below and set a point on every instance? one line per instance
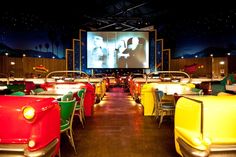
(16, 87)
(18, 93)
(159, 95)
(81, 94)
(67, 109)
(67, 97)
(154, 94)
(38, 90)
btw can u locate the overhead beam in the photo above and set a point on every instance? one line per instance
(112, 24)
(134, 7)
(124, 24)
(97, 19)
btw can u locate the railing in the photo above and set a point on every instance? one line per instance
(170, 74)
(71, 71)
(7, 78)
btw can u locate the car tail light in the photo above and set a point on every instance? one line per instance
(29, 112)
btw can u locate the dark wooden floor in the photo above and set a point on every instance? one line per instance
(119, 129)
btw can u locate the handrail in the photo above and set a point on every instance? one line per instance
(66, 71)
(7, 77)
(169, 72)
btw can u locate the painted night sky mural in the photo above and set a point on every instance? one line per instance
(208, 35)
(201, 33)
(32, 42)
(29, 33)
(188, 34)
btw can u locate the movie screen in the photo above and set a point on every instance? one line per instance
(117, 49)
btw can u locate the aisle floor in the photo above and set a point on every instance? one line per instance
(119, 129)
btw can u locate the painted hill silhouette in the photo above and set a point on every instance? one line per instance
(19, 52)
(215, 51)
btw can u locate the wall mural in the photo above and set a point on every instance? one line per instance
(200, 35)
(205, 46)
(40, 43)
(204, 34)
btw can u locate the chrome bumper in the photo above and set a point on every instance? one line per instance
(18, 150)
(224, 150)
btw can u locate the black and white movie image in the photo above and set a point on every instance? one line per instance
(117, 50)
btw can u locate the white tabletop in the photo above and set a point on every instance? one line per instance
(231, 87)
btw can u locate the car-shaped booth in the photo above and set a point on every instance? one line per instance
(135, 84)
(69, 83)
(99, 85)
(103, 77)
(168, 85)
(29, 126)
(205, 126)
(112, 81)
(11, 85)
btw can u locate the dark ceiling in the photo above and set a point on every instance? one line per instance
(114, 15)
(120, 15)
